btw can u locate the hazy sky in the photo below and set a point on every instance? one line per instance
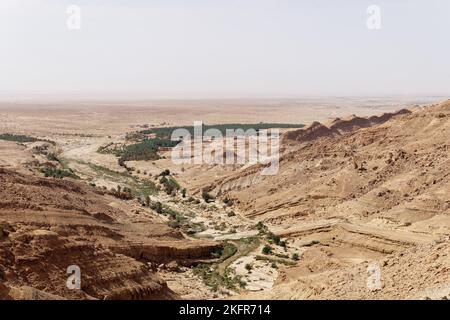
(227, 48)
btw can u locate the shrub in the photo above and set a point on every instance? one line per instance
(170, 185)
(165, 173)
(231, 214)
(174, 224)
(228, 202)
(274, 238)
(225, 252)
(58, 173)
(53, 157)
(280, 255)
(123, 193)
(279, 261)
(216, 280)
(158, 207)
(261, 227)
(206, 196)
(267, 250)
(312, 243)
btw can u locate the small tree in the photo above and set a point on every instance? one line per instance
(183, 193)
(147, 201)
(295, 256)
(249, 267)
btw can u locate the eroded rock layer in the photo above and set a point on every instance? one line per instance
(48, 225)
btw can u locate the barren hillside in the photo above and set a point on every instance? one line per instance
(353, 191)
(47, 225)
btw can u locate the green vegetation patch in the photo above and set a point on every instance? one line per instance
(177, 220)
(226, 251)
(144, 151)
(170, 184)
(244, 246)
(220, 275)
(274, 260)
(17, 138)
(22, 138)
(217, 280)
(166, 132)
(149, 141)
(58, 173)
(139, 188)
(111, 148)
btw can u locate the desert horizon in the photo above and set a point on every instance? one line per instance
(216, 111)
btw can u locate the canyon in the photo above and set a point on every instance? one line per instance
(352, 192)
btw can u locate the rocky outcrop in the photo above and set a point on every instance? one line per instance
(314, 131)
(338, 127)
(186, 253)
